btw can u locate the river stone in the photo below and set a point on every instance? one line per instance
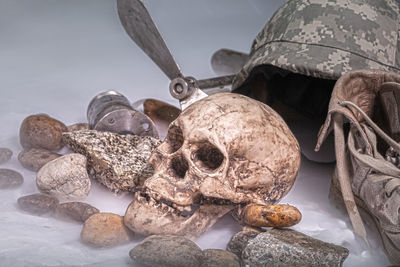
(159, 110)
(35, 158)
(78, 211)
(37, 203)
(161, 113)
(285, 247)
(219, 257)
(117, 161)
(239, 241)
(167, 251)
(5, 154)
(105, 230)
(41, 131)
(10, 179)
(78, 127)
(65, 177)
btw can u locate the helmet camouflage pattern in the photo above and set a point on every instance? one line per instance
(306, 46)
(327, 38)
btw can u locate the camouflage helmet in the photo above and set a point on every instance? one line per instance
(319, 40)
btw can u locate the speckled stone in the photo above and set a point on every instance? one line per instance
(105, 230)
(65, 177)
(10, 179)
(239, 241)
(41, 131)
(35, 158)
(285, 247)
(5, 154)
(37, 203)
(167, 251)
(78, 211)
(78, 127)
(117, 161)
(220, 257)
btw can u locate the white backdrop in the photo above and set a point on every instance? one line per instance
(55, 56)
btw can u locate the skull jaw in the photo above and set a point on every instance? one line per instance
(144, 217)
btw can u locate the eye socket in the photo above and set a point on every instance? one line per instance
(207, 157)
(174, 139)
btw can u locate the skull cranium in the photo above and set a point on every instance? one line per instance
(223, 150)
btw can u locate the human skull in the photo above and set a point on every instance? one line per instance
(223, 150)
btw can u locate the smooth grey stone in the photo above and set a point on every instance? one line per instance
(10, 179)
(168, 251)
(5, 154)
(105, 230)
(38, 203)
(65, 177)
(41, 131)
(78, 211)
(285, 247)
(35, 158)
(219, 257)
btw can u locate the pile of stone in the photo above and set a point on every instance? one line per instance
(99, 229)
(177, 251)
(250, 247)
(118, 161)
(40, 136)
(63, 177)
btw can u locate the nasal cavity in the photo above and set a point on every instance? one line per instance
(179, 166)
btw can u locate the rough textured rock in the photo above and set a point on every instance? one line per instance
(41, 131)
(5, 154)
(279, 247)
(240, 240)
(77, 211)
(35, 158)
(78, 127)
(117, 161)
(105, 230)
(220, 257)
(65, 177)
(38, 203)
(167, 251)
(10, 179)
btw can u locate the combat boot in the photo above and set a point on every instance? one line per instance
(364, 112)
